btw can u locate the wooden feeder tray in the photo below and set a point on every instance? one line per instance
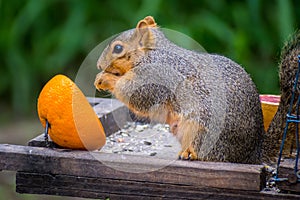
(63, 172)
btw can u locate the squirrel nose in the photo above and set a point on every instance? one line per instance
(98, 81)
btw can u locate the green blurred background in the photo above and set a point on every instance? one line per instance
(39, 39)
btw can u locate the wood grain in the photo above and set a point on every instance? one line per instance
(124, 189)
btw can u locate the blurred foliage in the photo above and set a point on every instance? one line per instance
(39, 39)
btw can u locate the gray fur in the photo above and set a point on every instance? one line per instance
(209, 89)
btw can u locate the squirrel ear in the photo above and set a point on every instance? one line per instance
(143, 32)
(146, 22)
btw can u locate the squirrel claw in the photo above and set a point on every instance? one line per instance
(188, 154)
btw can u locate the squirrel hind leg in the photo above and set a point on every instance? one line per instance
(187, 131)
(188, 154)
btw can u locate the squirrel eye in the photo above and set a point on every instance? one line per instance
(118, 48)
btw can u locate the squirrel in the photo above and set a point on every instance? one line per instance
(287, 72)
(210, 102)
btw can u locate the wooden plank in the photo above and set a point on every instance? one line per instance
(101, 188)
(97, 165)
(112, 113)
(81, 174)
(65, 185)
(39, 141)
(286, 170)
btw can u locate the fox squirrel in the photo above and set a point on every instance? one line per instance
(209, 101)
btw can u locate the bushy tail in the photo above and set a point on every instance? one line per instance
(287, 72)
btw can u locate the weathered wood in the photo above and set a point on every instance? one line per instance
(112, 113)
(95, 166)
(286, 170)
(100, 188)
(119, 188)
(91, 164)
(39, 141)
(99, 175)
(85, 174)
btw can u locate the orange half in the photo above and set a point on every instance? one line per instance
(73, 122)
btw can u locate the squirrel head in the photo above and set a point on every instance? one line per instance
(122, 52)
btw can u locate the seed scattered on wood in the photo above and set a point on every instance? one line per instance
(128, 149)
(152, 153)
(120, 140)
(143, 140)
(140, 128)
(147, 142)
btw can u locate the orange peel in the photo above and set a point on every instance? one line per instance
(72, 121)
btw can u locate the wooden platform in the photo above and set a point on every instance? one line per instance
(84, 174)
(56, 171)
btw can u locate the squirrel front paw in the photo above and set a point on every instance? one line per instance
(106, 81)
(188, 154)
